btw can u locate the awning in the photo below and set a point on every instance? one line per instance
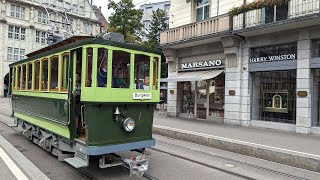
(194, 76)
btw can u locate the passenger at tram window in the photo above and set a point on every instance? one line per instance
(77, 90)
(54, 85)
(118, 80)
(102, 74)
(145, 84)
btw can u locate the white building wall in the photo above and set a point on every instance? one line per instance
(80, 17)
(181, 13)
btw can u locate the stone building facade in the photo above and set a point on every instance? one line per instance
(269, 74)
(24, 26)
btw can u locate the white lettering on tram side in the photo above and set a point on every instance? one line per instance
(142, 96)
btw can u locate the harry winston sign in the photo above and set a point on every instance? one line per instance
(273, 58)
(202, 64)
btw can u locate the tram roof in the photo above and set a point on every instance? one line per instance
(77, 41)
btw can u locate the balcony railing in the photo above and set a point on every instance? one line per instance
(197, 29)
(294, 9)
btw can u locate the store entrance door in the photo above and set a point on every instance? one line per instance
(201, 100)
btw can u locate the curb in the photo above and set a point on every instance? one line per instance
(284, 156)
(25, 164)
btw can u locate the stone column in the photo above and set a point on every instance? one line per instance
(245, 103)
(303, 109)
(172, 98)
(232, 81)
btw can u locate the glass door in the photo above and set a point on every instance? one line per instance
(201, 100)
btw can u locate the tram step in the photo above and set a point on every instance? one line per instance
(76, 162)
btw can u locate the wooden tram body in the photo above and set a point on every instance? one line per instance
(113, 118)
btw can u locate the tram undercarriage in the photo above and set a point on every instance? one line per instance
(76, 152)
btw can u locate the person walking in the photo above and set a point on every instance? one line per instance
(161, 104)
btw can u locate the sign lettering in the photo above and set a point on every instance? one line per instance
(273, 58)
(137, 96)
(202, 64)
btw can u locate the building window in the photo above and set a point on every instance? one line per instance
(147, 25)
(9, 53)
(274, 95)
(43, 17)
(17, 11)
(316, 48)
(15, 54)
(75, 9)
(67, 6)
(87, 28)
(41, 37)
(269, 15)
(64, 22)
(202, 10)
(16, 32)
(316, 97)
(82, 11)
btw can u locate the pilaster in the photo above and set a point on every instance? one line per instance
(303, 107)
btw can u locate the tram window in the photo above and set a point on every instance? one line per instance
(36, 75)
(54, 73)
(29, 79)
(65, 74)
(102, 67)
(142, 72)
(19, 77)
(24, 76)
(89, 67)
(44, 78)
(155, 73)
(120, 69)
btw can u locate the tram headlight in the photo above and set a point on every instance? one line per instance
(129, 124)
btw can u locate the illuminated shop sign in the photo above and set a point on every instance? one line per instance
(202, 64)
(273, 58)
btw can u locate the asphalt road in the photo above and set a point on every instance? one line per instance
(169, 159)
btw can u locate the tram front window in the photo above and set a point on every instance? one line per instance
(120, 69)
(142, 72)
(102, 67)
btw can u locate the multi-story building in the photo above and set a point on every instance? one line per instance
(256, 65)
(24, 26)
(147, 12)
(103, 21)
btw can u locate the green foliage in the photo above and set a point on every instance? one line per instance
(158, 24)
(126, 20)
(258, 4)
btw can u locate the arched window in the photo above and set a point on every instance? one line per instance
(277, 101)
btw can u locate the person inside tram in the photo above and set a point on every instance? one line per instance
(76, 93)
(102, 73)
(145, 84)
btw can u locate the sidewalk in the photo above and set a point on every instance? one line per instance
(14, 165)
(293, 149)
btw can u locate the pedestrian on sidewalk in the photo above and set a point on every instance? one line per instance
(161, 104)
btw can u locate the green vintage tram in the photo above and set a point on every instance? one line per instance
(86, 97)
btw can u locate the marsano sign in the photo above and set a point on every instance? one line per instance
(201, 64)
(273, 58)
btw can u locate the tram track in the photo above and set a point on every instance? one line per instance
(227, 160)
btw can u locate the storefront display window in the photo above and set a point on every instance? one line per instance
(316, 102)
(216, 96)
(274, 96)
(187, 100)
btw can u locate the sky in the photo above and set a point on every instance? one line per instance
(106, 12)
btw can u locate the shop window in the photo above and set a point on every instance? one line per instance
(54, 64)
(277, 52)
(24, 76)
(120, 69)
(316, 98)
(65, 72)
(316, 48)
(216, 96)
(102, 67)
(36, 75)
(18, 77)
(29, 77)
(141, 72)
(44, 73)
(275, 95)
(187, 97)
(89, 67)
(202, 10)
(155, 73)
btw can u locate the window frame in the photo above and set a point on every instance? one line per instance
(41, 71)
(202, 6)
(62, 70)
(49, 72)
(34, 76)
(27, 74)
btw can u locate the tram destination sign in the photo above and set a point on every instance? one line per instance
(137, 96)
(202, 64)
(273, 58)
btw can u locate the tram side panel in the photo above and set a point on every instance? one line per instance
(105, 129)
